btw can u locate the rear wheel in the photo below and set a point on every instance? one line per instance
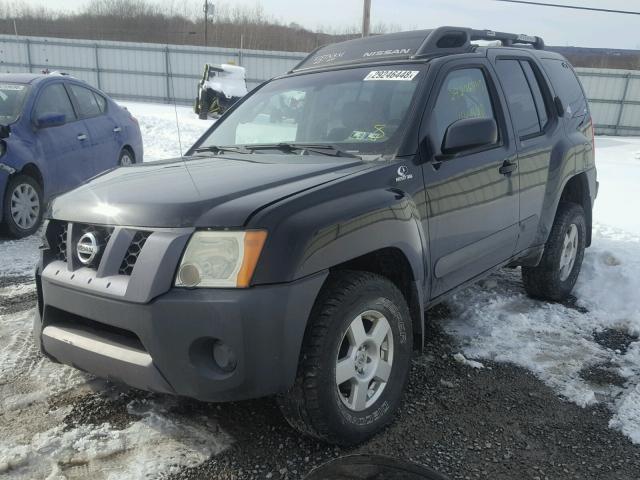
(126, 158)
(355, 360)
(557, 273)
(22, 206)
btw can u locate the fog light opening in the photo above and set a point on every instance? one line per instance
(224, 357)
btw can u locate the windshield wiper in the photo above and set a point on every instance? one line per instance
(320, 148)
(222, 148)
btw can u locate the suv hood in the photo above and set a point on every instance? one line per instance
(216, 191)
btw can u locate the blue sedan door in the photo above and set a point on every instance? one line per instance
(65, 148)
(102, 128)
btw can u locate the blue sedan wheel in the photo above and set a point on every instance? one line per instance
(23, 206)
(126, 158)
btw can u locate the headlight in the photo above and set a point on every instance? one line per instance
(220, 259)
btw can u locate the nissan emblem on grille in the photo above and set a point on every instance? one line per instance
(87, 248)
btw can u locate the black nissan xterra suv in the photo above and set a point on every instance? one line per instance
(294, 249)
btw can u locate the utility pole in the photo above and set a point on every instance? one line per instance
(208, 11)
(366, 18)
(206, 20)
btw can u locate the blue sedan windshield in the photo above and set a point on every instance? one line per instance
(12, 97)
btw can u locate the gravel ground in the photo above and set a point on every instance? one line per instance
(497, 422)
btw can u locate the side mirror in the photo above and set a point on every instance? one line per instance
(559, 106)
(47, 120)
(469, 133)
(5, 131)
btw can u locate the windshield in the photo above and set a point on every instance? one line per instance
(12, 96)
(361, 111)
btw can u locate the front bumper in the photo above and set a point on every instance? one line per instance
(166, 344)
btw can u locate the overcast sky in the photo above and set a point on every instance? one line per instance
(556, 26)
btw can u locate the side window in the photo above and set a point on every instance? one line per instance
(87, 102)
(567, 87)
(54, 99)
(102, 102)
(464, 94)
(537, 93)
(519, 97)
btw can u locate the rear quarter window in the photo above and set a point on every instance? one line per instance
(567, 86)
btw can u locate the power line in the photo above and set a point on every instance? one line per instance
(574, 7)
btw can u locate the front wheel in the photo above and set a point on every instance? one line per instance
(22, 206)
(355, 360)
(555, 276)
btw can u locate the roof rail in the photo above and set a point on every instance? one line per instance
(408, 45)
(445, 40)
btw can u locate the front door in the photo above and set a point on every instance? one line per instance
(472, 208)
(65, 148)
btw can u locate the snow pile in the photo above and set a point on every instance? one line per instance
(159, 130)
(152, 446)
(497, 321)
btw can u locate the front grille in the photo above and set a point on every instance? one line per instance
(61, 242)
(57, 233)
(131, 257)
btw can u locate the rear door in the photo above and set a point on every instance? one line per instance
(65, 148)
(537, 129)
(103, 130)
(472, 207)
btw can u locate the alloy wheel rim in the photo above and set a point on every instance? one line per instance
(569, 252)
(364, 360)
(25, 206)
(126, 160)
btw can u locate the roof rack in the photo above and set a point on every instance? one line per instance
(445, 40)
(410, 45)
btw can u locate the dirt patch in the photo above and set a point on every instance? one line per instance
(602, 375)
(614, 339)
(18, 303)
(7, 281)
(572, 303)
(103, 407)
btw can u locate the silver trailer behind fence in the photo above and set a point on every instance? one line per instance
(160, 73)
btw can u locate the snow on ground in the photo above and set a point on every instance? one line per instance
(494, 320)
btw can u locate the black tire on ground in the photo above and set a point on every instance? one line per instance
(27, 189)
(126, 157)
(314, 405)
(546, 280)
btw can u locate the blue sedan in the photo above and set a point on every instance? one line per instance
(55, 133)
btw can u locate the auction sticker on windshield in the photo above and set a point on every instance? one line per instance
(402, 75)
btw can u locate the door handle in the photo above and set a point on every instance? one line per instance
(117, 130)
(82, 137)
(508, 167)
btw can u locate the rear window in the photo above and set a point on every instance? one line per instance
(519, 96)
(567, 87)
(87, 102)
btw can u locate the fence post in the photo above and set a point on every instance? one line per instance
(622, 102)
(97, 66)
(28, 44)
(168, 71)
